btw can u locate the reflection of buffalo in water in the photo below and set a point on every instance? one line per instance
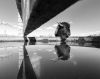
(63, 51)
(63, 31)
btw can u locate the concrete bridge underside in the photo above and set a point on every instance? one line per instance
(34, 13)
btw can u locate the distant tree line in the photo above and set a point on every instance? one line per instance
(95, 39)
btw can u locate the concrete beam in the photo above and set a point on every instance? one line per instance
(37, 12)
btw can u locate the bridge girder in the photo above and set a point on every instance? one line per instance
(34, 13)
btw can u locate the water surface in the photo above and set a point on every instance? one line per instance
(49, 61)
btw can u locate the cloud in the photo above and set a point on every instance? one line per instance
(49, 28)
(47, 31)
(55, 25)
(40, 29)
(8, 30)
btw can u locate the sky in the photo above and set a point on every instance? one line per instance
(8, 11)
(84, 17)
(9, 30)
